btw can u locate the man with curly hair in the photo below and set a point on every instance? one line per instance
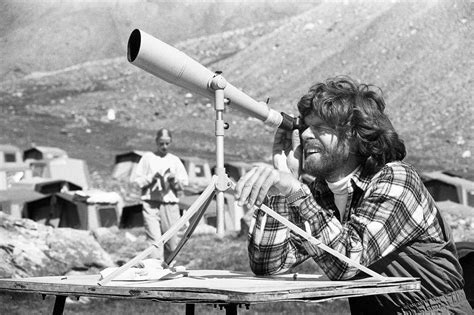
(364, 203)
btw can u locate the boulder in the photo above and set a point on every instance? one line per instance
(28, 248)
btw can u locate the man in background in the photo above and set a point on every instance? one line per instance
(161, 177)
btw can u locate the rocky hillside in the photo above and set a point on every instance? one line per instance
(417, 52)
(54, 34)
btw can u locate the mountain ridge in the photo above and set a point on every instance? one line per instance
(414, 51)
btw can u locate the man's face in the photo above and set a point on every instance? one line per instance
(323, 156)
(162, 144)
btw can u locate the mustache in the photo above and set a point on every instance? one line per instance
(311, 146)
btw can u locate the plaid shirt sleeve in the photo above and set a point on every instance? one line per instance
(394, 210)
(272, 247)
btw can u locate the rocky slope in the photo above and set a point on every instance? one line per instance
(415, 51)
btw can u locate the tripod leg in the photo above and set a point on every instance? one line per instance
(197, 205)
(192, 226)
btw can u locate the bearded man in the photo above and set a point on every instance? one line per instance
(364, 203)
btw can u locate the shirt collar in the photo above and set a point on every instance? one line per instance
(358, 179)
(340, 187)
(361, 181)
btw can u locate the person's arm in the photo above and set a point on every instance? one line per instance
(179, 178)
(143, 175)
(393, 213)
(272, 248)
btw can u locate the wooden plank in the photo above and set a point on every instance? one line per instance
(210, 286)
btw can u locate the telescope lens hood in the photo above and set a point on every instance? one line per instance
(134, 45)
(173, 66)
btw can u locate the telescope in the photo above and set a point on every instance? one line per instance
(174, 66)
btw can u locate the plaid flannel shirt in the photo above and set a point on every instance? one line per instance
(384, 212)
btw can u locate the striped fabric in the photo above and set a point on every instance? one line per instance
(384, 212)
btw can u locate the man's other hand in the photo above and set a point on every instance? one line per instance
(287, 151)
(255, 185)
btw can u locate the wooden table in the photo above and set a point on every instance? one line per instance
(224, 288)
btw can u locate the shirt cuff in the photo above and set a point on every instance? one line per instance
(279, 204)
(298, 196)
(310, 211)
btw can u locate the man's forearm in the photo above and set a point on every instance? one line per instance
(271, 249)
(145, 181)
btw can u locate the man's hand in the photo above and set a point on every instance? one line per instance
(174, 184)
(171, 179)
(157, 182)
(253, 187)
(287, 151)
(157, 176)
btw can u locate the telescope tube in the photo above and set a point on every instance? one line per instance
(174, 66)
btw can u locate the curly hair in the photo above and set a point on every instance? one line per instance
(356, 111)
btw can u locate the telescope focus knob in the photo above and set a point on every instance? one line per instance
(217, 83)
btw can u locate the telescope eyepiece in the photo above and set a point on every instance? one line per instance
(133, 47)
(290, 123)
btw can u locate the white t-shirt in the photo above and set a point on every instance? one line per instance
(340, 191)
(151, 164)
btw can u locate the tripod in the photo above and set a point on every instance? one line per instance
(216, 188)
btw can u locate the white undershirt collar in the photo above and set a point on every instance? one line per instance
(341, 192)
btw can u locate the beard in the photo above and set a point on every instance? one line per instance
(326, 162)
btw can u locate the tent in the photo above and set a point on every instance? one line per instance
(12, 167)
(78, 211)
(15, 201)
(34, 199)
(448, 186)
(44, 153)
(45, 185)
(132, 216)
(125, 164)
(60, 203)
(54, 163)
(73, 170)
